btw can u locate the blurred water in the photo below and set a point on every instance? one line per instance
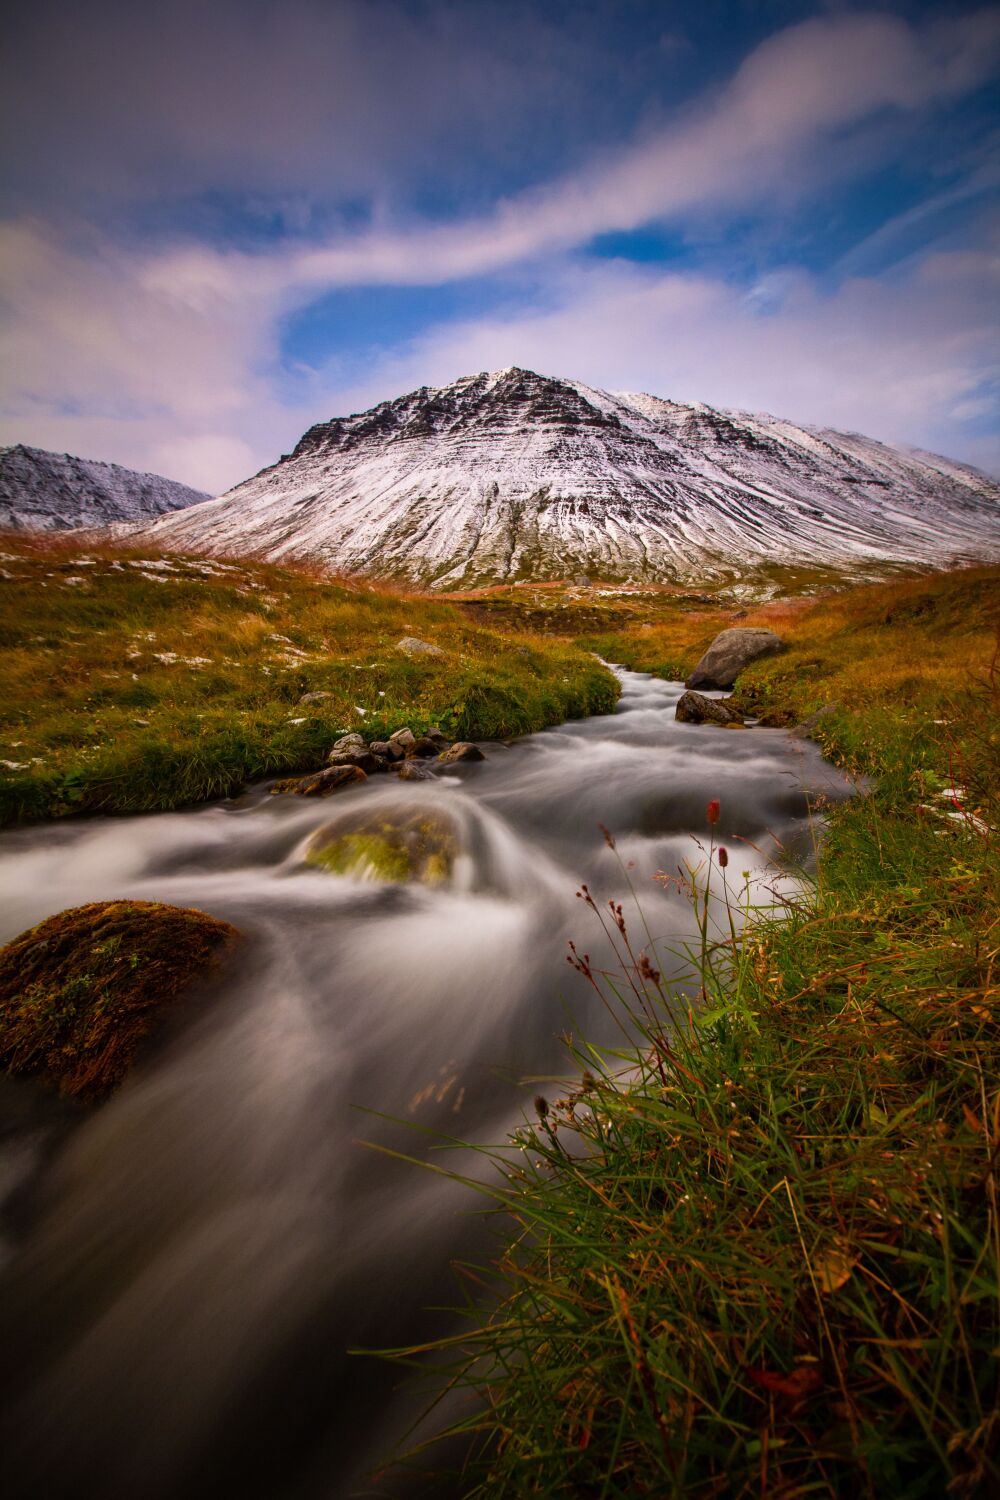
(187, 1267)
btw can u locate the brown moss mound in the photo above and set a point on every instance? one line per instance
(79, 992)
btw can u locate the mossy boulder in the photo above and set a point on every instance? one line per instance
(79, 992)
(409, 846)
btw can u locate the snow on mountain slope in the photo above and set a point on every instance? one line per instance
(42, 491)
(513, 475)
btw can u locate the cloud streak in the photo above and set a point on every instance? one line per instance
(171, 359)
(796, 92)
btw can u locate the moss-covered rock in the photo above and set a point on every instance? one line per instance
(79, 992)
(418, 846)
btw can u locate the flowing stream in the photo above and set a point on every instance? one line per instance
(184, 1270)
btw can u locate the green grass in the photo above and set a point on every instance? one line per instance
(126, 687)
(762, 1255)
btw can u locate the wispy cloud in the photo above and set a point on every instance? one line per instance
(790, 100)
(910, 361)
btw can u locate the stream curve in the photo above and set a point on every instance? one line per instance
(184, 1270)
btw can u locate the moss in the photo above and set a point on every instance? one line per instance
(418, 846)
(79, 992)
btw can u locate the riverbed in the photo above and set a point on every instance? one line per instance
(185, 1270)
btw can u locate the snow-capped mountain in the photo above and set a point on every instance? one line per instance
(513, 475)
(42, 491)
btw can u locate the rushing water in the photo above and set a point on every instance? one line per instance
(187, 1267)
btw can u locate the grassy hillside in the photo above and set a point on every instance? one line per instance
(764, 1257)
(132, 681)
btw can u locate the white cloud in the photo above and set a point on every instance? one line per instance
(94, 361)
(908, 361)
(792, 98)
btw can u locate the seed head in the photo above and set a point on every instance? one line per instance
(712, 810)
(646, 969)
(723, 857)
(541, 1106)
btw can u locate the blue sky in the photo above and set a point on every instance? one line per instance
(222, 223)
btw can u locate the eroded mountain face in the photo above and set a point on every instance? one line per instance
(42, 491)
(512, 475)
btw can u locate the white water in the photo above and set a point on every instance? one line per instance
(187, 1267)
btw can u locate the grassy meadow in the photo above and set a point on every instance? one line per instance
(762, 1258)
(762, 1255)
(131, 681)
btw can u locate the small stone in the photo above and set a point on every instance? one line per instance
(695, 708)
(333, 779)
(363, 759)
(386, 749)
(404, 739)
(462, 750)
(353, 741)
(413, 770)
(411, 645)
(425, 748)
(314, 698)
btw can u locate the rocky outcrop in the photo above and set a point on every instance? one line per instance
(352, 760)
(694, 708)
(729, 653)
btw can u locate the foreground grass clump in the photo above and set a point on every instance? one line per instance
(762, 1255)
(131, 681)
(80, 992)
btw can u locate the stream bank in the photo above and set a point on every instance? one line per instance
(187, 1267)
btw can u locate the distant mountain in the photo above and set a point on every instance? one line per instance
(513, 475)
(42, 491)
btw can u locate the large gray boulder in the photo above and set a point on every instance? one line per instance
(729, 653)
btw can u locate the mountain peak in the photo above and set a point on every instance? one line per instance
(510, 475)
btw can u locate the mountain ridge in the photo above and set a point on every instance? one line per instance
(45, 491)
(513, 476)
